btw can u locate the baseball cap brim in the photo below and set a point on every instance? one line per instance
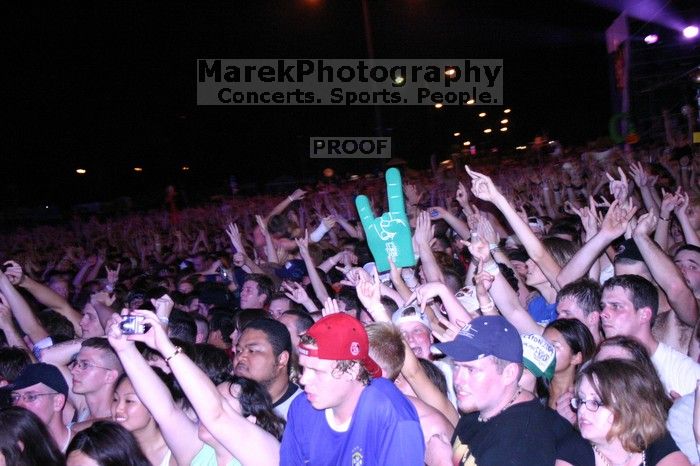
(372, 367)
(460, 349)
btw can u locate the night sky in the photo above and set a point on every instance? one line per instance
(111, 85)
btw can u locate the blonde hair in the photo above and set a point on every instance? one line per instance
(386, 347)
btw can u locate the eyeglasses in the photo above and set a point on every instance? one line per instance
(83, 364)
(591, 405)
(28, 397)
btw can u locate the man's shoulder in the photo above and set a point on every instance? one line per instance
(381, 393)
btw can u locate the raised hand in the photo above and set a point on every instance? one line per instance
(389, 235)
(297, 195)
(155, 337)
(235, 236)
(14, 272)
(303, 244)
(619, 188)
(163, 306)
(462, 196)
(102, 297)
(436, 213)
(482, 280)
(646, 224)
(639, 175)
(424, 232)
(369, 293)
(482, 186)
(113, 274)
(588, 217)
(669, 201)
(478, 248)
(296, 292)
(329, 222)
(616, 219)
(682, 203)
(330, 306)
(485, 230)
(115, 337)
(262, 224)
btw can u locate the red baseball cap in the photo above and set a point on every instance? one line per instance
(340, 337)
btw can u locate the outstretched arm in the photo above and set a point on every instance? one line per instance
(227, 425)
(44, 295)
(178, 431)
(664, 271)
(483, 188)
(26, 319)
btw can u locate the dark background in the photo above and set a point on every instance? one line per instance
(108, 86)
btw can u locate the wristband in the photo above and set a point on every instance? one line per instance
(178, 350)
(493, 246)
(492, 268)
(664, 219)
(164, 320)
(318, 233)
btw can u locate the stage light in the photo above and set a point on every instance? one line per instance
(651, 39)
(487, 130)
(506, 110)
(456, 134)
(482, 114)
(399, 79)
(504, 121)
(81, 171)
(138, 169)
(185, 168)
(691, 32)
(504, 129)
(470, 102)
(450, 72)
(438, 105)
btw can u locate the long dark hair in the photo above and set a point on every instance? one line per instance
(25, 440)
(577, 336)
(256, 401)
(109, 444)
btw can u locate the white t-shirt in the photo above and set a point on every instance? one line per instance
(680, 425)
(676, 370)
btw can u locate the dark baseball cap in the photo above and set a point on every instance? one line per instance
(485, 336)
(47, 374)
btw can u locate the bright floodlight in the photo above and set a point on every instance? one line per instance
(456, 134)
(487, 130)
(690, 32)
(482, 114)
(80, 171)
(470, 102)
(651, 39)
(506, 110)
(438, 105)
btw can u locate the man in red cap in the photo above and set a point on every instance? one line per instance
(349, 414)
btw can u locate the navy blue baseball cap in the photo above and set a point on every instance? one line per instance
(47, 374)
(485, 336)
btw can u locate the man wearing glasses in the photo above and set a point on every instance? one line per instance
(41, 389)
(503, 424)
(94, 372)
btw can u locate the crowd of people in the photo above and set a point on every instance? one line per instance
(551, 318)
